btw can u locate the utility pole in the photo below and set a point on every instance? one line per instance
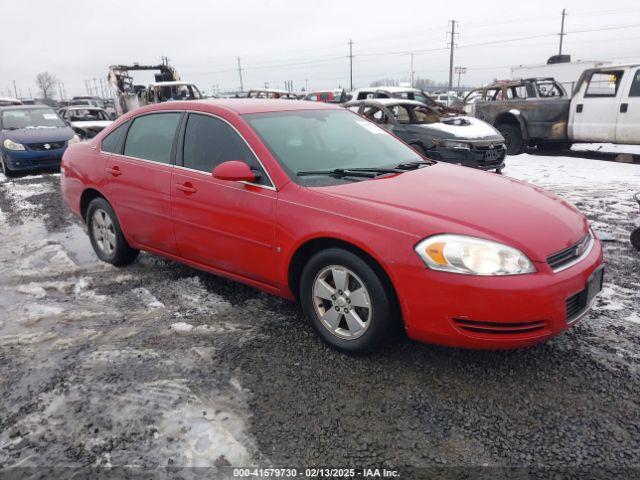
(460, 71)
(60, 89)
(453, 39)
(15, 89)
(351, 64)
(95, 84)
(30, 96)
(240, 75)
(562, 34)
(412, 72)
(306, 85)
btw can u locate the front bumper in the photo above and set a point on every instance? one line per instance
(494, 312)
(24, 160)
(480, 157)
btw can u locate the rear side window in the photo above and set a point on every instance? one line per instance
(111, 142)
(151, 137)
(604, 84)
(209, 141)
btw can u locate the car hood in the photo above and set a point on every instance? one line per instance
(446, 198)
(460, 127)
(39, 135)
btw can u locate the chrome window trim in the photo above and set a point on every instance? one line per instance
(269, 187)
(577, 260)
(172, 164)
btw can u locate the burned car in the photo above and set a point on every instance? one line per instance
(86, 120)
(447, 137)
(530, 111)
(167, 87)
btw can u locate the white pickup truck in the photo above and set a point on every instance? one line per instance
(537, 111)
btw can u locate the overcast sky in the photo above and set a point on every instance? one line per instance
(282, 40)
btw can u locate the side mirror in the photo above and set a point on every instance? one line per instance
(234, 171)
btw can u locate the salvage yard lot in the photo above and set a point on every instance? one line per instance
(160, 364)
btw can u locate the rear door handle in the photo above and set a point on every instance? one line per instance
(579, 108)
(186, 187)
(115, 171)
(624, 107)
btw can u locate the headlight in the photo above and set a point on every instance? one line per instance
(454, 144)
(11, 145)
(472, 256)
(74, 139)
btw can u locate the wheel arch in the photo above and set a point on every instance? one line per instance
(311, 246)
(513, 118)
(89, 194)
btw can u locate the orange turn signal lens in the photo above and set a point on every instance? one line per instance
(435, 252)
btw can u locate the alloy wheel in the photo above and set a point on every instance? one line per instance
(342, 302)
(104, 232)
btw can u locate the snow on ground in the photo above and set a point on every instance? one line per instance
(147, 365)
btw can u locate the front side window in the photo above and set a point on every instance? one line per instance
(314, 140)
(634, 91)
(604, 84)
(209, 141)
(30, 118)
(151, 137)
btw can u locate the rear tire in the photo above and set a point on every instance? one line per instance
(106, 235)
(512, 138)
(635, 238)
(347, 302)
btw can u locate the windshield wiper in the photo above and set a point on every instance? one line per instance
(368, 172)
(412, 165)
(338, 172)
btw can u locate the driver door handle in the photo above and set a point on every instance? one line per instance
(115, 171)
(186, 187)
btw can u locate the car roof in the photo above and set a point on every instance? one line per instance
(386, 102)
(81, 107)
(25, 107)
(392, 89)
(241, 106)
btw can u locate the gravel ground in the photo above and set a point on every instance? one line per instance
(161, 365)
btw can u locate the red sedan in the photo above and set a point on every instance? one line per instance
(312, 202)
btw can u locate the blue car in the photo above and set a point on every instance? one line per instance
(32, 137)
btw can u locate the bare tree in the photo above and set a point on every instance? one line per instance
(46, 83)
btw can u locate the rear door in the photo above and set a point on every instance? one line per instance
(628, 125)
(222, 224)
(594, 110)
(139, 180)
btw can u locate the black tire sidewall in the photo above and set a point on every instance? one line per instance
(513, 138)
(123, 254)
(381, 300)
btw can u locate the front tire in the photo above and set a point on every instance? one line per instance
(106, 235)
(512, 138)
(348, 303)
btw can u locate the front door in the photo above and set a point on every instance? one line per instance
(225, 225)
(628, 126)
(594, 110)
(139, 180)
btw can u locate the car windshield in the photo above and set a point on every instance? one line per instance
(30, 118)
(317, 140)
(87, 115)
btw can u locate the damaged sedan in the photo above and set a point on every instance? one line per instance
(86, 121)
(443, 136)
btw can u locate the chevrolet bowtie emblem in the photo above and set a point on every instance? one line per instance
(47, 146)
